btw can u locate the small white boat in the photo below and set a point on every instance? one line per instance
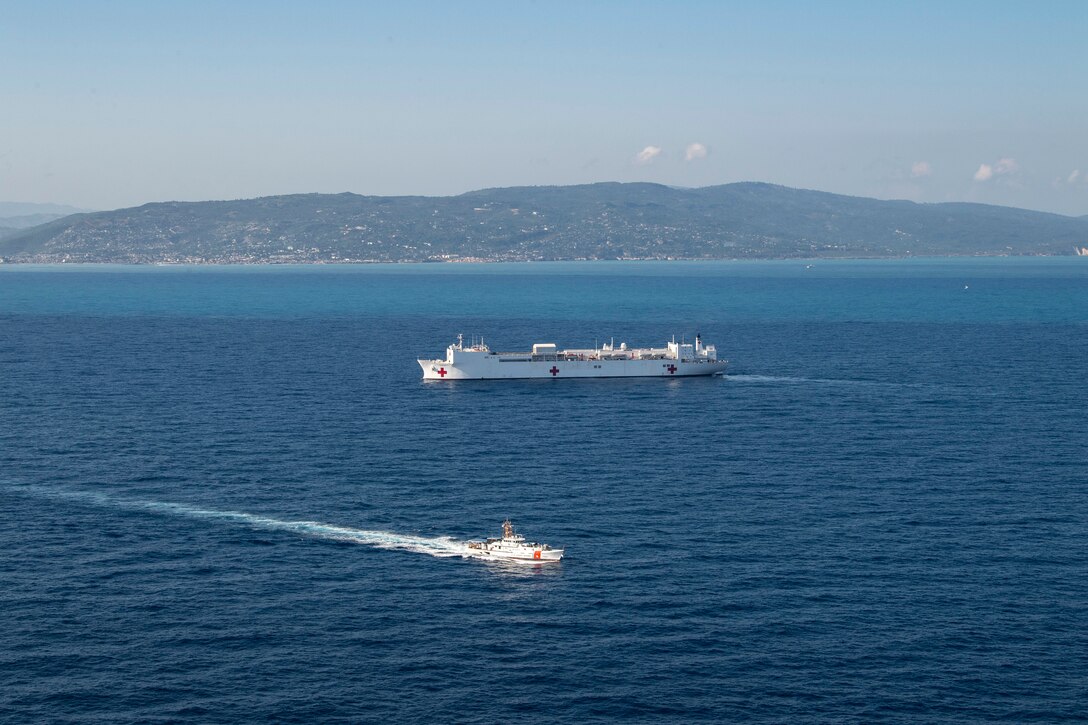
(513, 546)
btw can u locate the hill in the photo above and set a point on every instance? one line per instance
(24, 208)
(595, 221)
(21, 215)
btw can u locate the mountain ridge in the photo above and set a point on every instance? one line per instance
(606, 220)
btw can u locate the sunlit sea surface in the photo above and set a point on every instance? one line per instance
(227, 496)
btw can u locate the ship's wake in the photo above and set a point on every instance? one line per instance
(785, 380)
(435, 546)
(441, 546)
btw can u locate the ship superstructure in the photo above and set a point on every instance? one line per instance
(476, 361)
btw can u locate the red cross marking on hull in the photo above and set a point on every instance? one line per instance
(442, 372)
(671, 369)
(554, 371)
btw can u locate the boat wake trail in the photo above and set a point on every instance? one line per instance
(765, 379)
(808, 381)
(441, 546)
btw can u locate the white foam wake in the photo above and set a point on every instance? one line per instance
(765, 379)
(435, 546)
(442, 546)
(807, 381)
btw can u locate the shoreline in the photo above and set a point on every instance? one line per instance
(671, 267)
(13, 263)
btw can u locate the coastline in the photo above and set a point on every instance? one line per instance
(37, 262)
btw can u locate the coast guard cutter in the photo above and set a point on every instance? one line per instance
(512, 545)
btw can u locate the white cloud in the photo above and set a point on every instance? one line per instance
(1074, 176)
(920, 169)
(647, 154)
(695, 151)
(1002, 167)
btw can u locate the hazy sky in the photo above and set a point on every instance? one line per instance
(111, 104)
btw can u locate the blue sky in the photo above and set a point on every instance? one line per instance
(112, 104)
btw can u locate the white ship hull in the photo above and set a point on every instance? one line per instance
(548, 555)
(477, 362)
(493, 370)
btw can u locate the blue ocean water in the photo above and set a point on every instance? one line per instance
(227, 496)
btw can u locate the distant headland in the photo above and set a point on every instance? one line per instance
(594, 221)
